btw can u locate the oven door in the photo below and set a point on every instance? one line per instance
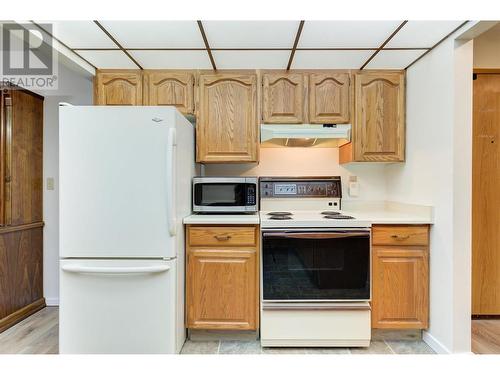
(224, 196)
(316, 265)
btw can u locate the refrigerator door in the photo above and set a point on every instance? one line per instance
(117, 306)
(117, 182)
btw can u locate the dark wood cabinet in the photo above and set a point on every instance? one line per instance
(21, 215)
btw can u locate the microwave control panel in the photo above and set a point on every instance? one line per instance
(300, 188)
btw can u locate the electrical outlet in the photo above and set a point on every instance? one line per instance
(50, 183)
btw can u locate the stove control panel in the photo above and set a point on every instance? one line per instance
(300, 188)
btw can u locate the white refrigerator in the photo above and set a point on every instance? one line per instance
(125, 186)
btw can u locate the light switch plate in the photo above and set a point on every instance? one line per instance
(50, 183)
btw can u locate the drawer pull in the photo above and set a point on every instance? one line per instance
(222, 238)
(400, 238)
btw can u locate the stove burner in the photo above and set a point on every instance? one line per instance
(280, 217)
(338, 217)
(279, 213)
(330, 213)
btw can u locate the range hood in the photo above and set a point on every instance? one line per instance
(304, 135)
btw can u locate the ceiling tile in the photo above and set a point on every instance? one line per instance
(108, 59)
(330, 59)
(346, 34)
(251, 34)
(156, 34)
(391, 59)
(422, 33)
(79, 34)
(172, 59)
(251, 59)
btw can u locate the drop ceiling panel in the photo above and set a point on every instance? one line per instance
(155, 34)
(80, 34)
(346, 34)
(251, 59)
(108, 59)
(417, 34)
(172, 59)
(330, 59)
(251, 34)
(398, 59)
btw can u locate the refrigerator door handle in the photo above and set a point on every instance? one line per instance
(171, 182)
(115, 270)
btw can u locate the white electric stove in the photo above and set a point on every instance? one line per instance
(315, 265)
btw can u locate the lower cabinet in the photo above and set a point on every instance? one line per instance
(222, 277)
(21, 273)
(400, 268)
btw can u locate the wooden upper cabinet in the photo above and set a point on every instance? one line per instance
(169, 88)
(329, 101)
(379, 127)
(283, 98)
(23, 159)
(227, 123)
(118, 87)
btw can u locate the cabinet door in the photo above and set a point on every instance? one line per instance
(400, 290)
(379, 133)
(24, 143)
(169, 88)
(222, 289)
(118, 88)
(283, 98)
(21, 261)
(227, 127)
(329, 98)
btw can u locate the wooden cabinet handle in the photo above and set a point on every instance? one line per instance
(222, 238)
(398, 237)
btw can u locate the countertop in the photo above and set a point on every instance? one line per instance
(252, 218)
(385, 212)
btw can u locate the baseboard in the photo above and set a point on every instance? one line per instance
(52, 301)
(17, 316)
(435, 344)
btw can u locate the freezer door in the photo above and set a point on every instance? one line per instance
(121, 307)
(116, 190)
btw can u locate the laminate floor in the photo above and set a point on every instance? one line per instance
(38, 334)
(486, 336)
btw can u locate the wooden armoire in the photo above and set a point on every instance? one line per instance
(21, 215)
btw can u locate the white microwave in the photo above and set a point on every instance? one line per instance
(225, 194)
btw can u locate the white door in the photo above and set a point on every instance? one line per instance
(117, 168)
(117, 306)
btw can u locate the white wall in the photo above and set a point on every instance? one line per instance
(437, 172)
(299, 161)
(487, 49)
(76, 88)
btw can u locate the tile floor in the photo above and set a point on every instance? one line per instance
(253, 347)
(38, 334)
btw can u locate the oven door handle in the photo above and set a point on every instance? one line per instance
(316, 235)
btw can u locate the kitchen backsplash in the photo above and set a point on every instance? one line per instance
(296, 161)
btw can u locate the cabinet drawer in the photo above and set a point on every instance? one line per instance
(222, 236)
(400, 235)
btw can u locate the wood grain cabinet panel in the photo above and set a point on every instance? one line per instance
(379, 127)
(23, 203)
(329, 101)
(221, 292)
(169, 88)
(400, 282)
(227, 123)
(401, 235)
(222, 282)
(122, 87)
(283, 98)
(21, 285)
(222, 236)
